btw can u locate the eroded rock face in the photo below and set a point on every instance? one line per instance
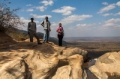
(14, 69)
(47, 61)
(107, 66)
(72, 70)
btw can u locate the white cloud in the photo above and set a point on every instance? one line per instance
(118, 3)
(107, 8)
(117, 14)
(54, 24)
(47, 2)
(29, 5)
(85, 25)
(95, 29)
(30, 10)
(41, 8)
(81, 30)
(105, 3)
(111, 14)
(24, 20)
(25, 23)
(113, 22)
(65, 10)
(40, 16)
(73, 18)
(107, 14)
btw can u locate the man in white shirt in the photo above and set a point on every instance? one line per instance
(32, 31)
(46, 25)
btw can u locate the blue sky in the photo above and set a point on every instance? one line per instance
(80, 18)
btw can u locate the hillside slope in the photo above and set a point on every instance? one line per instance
(5, 40)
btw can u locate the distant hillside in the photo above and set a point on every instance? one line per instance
(92, 39)
(21, 35)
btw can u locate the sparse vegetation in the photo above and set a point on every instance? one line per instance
(8, 17)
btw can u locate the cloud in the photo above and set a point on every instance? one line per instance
(29, 5)
(107, 8)
(107, 14)
(113, 22)
(85, 25)
(45, 5)
(40, 16)
(117, 14)
(54, 24)
(41, 8)
(81, 30)
(118, 3)
(105, 3)
(47, 2)
(30, 10)
(94, 29)
(65, 10)
(25, 23)
(111, 14)
(73, 18)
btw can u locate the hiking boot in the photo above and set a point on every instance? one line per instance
(39, 43)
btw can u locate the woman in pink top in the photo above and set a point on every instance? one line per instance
(60, 34)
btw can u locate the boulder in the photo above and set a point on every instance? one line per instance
(71, 71)
(66, 52)
(107, 66)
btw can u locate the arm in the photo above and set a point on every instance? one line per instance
(28, 27)
(57, 30)
(62, 29)
(42, 23)
(49, 26)
(35, 26)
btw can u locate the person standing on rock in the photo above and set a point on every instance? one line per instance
(60, 35)
(46, 25)
(32, 31)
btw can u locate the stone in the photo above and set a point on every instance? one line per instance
(107, 66)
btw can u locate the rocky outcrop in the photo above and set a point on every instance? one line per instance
(47, 61)
(107, 66)
(14, 69)
(72, 70)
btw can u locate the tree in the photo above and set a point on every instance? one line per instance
(8, 17)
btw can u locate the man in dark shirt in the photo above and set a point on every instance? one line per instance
(32, 31)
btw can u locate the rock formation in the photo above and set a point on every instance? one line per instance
(107, 66)
(25, 60)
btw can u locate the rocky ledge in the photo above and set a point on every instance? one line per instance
(26, 60)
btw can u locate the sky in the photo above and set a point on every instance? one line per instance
(79, 18)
